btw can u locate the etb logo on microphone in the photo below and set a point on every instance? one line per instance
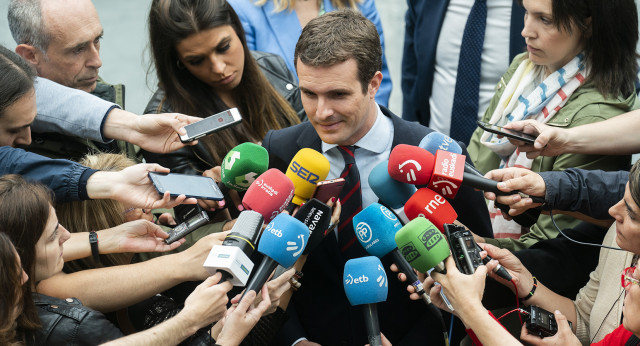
(382, 278)
(350, 280)
(273, 230)
(303, 173)
(293, 246)
(411, 174)
(409, 252)
(430, 238)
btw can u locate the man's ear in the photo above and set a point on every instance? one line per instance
(374, 84)
(29, 53)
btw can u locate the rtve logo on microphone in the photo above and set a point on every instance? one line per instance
(303, 173)
(293, 246)
(444, 145)
(411, 174)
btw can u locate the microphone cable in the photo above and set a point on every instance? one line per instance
(577, 241)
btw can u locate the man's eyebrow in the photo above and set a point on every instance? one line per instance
(84, 44)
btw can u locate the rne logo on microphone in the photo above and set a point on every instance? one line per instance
(363, 231)
(353, 281)
(411, 174)
(447, 189)
(303, 173)
(433, 204)
(409, 252)
(430, 238)
(293, 246)
(388, 213)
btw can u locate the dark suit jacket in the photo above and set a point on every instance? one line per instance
(422, 29)
(323, 311)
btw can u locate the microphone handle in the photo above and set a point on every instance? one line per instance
(406, 268)
(526, 219)
(225, 276)
(484, 184)
(261, 275)
(372, 323)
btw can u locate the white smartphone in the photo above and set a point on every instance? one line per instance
(211, 124)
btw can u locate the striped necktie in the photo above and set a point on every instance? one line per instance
(351, 200)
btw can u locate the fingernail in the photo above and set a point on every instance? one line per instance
(502, 185)
(221, 203)
(339, 201)
(333, 199)
(212, 209)
(240, 207)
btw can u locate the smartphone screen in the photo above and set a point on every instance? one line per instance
(211, 124)
(521, 136)
(184, 184)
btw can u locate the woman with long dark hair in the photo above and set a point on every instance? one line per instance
(204, 67)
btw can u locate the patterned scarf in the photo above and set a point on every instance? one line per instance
(522, 99)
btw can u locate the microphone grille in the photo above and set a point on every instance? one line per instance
(248, 225)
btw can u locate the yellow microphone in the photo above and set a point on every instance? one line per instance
(306, 169)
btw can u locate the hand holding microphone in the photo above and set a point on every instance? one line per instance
(524, 180)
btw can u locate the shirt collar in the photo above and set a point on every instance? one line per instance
(370, 141)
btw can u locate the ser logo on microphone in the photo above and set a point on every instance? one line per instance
(409, 252)
(411, 174)
(303, 173)
(293, 246)
(354, 281)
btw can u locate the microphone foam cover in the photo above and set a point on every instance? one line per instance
(375, 228)
(428, 204)
(390, 191)
(410, 164)
(284, 239)
(422, 244)
(269, 194)
(243, 164)
(436, 140)
(306, 169)
(365, 281)
(317, 217)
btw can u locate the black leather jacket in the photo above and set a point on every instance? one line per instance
(196, 159)
(68, 322)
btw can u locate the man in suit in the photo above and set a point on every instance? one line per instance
(338, 61)
(432, 46)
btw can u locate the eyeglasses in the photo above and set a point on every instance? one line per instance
(626, 279)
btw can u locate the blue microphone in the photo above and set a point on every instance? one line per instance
(376, 227)
(393, 194)
(365, 283)
(282, 242)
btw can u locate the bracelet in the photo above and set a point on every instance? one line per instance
(95, 253)
(533, 290)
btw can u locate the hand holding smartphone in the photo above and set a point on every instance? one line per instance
(211, 124)
(518, 135)
(327, 189)
(184, 184)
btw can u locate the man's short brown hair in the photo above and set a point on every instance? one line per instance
(338, 36)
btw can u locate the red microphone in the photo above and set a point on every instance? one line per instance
(269, 194)
(432, 206)
(410, 164)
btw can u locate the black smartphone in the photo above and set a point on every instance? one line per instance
(327, 189)
(211, 124)
(521, 136)
(195, 186)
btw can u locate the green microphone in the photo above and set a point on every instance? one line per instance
(422, 244)
(243, 164)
